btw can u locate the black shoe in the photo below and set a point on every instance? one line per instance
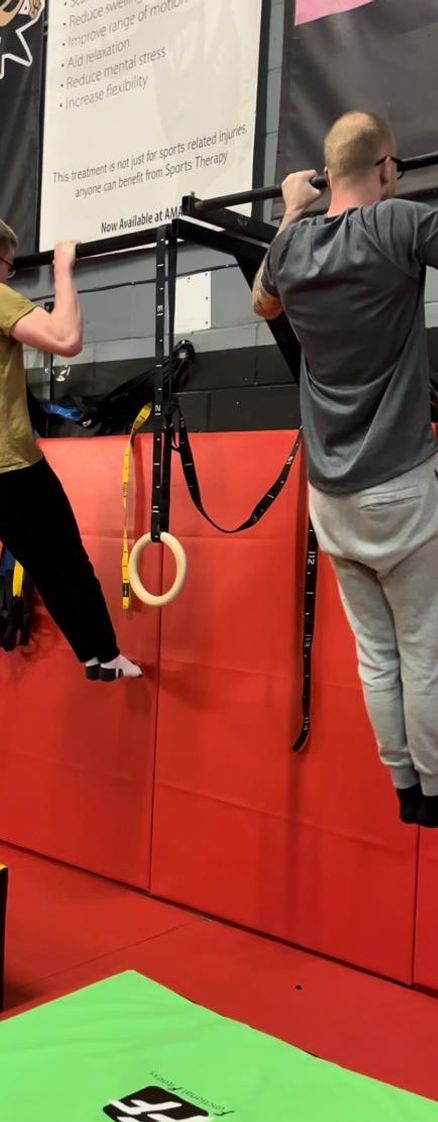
(411, 804)
(93, 672)
(428, 813)
(109, 674)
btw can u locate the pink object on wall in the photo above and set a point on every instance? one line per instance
(307, 10)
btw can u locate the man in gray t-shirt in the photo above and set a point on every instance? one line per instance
(352, 286)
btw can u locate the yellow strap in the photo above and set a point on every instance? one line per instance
(140, 420)
(17, 580)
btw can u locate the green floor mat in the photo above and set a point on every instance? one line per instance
(128, 1049)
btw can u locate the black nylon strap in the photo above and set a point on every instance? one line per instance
(48, 369)
(191, 478)
(160, 486)
(162, 426)
(290, 349)
(167, 399)
(310, 584)
(260, 509)
(3, 898)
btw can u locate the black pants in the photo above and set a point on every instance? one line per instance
(39, 528)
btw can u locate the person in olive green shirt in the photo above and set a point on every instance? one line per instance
(37, 524)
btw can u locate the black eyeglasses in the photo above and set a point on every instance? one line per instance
(398, 163)
(11, 270)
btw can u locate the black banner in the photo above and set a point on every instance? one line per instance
(21, 66)
(340, 55)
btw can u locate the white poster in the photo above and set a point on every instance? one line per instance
(145, 102)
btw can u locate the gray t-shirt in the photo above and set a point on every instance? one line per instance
(353, 290)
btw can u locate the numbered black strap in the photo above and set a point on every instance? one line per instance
(162, 442)
(310, 584)
(168, 396)
(191, 478)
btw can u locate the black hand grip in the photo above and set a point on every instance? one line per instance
(320, 182)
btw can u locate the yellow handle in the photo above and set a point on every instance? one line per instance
(17, 580)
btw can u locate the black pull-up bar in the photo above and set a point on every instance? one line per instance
(195, 207)
(430, 159)
(135, 240)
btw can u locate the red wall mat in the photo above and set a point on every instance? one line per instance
(426, 938)
(77, 757)
(305, 848)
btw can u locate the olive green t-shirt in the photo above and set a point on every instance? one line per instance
(17, 445)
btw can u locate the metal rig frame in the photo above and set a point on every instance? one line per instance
(211, 224)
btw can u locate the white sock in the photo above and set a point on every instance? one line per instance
(124, 667)
(92, 662)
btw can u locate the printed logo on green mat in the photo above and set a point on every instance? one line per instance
(155, 1104)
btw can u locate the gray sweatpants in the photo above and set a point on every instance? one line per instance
(383, 543)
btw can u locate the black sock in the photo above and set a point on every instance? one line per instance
(428, 815)
(411, 800)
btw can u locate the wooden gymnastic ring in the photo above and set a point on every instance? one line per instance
(181, 570)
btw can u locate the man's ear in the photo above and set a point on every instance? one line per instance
(384, 174)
